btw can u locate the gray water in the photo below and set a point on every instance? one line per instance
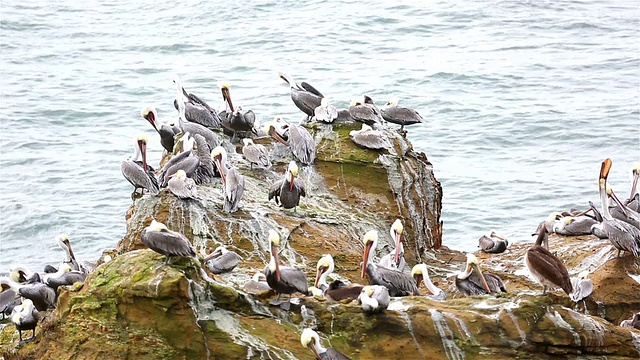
(523, 99)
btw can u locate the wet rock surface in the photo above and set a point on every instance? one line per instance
(131, 307)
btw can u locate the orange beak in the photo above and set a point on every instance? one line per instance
(365, 258)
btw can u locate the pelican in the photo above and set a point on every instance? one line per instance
(63, 242)
(196, 165)
(634, 322)
(365, 113)
(25, 317)
(278, 129)
(300, 142)
(166, 242)
(374, 299)
(222, 260)
(64, 276)
(582, 287)
(493, 243)
(368, 138)
(545, 267)
(255, 154)
(310, 340)
(622, 212)
(400, 115)
(235, 120)
(165, 131)
(182, 186)
(9, 299)
(395, 259)
(325, 112)
(398, 283)
(283, 279)
(232, 180)
(196, 110)
(420, 274)
(185, 126)
(288, 190)
(574, 225)
(470, 282)
(304, 96)
(548, 223)
(634, 200)
(337, 290)
(257, 285)
(22, 274)
(139, 175)
(43, 296)
(624, 236)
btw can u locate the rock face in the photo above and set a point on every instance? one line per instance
(131, 307)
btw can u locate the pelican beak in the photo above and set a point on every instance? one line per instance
(484, 282)
(397, 239)
(274, 252)
(284, 77)
(365, 257)
(151, 119)
(498, 236)
(321, 271)
(315, 351)
(418, 279)
(620, 204)
(254, 131)
(604, 169)
(210, 256)
(293, 179)
(226, 96)
(143, 149)
(218, 163)
(634, 184)
(73, 257)
(274, 134)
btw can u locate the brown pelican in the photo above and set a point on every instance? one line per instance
(365, 113)
(288, 190)
(232, 180)
(634, 322)
(395, 259)
(304, 96)
(582, 287)
(400, 115)
(235, 120)
(139, 175)
(325, 112)
(337, 290)
(196, 110)
(258, 285)
(301, 143)
(283, 279)
(374, 299)
(196, 164)
(63, 242)
(398, 283)
(166, 242)
(22, 274)
(548, 223)
(472, 281)
(185, 126)
(420, 274)
(493, 243)
(43, 296)
(622, 212)
(222, 260)
(9, 299)
(369, 138)
(574, 226)
(634, 200)
(164, 130)
(278, 130)
(624, 236)
(545, 267)
(255, 154)
(310, 340)
(25, 317)
(182, 186)
(63, 277)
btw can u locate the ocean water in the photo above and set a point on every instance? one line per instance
(522, 99)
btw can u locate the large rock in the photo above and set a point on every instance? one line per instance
(132, 307)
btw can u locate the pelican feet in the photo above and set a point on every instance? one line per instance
(136, 195)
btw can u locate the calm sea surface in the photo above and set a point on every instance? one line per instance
(523, 99)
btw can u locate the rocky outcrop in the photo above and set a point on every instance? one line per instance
(132, 307)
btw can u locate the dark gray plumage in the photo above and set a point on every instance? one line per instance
(166, 242)
(302, 144)
(182, 186)
(25, 317)
(400, 115)
(43, 296)
(196, 110)
(140, 175)
(165, 131)
(369, 138)
(283, 279)
(472, 281)
(289, 189)
(236, 120)
(494, 243)
(374, 299)
(232, 180)
(398, 283)
(8, 300)
(64, 277)
(574, 226)
(310, 339)
(545, 267)
(623, 212)
(304, 96)
(256, 154)
(365, 113)
(185, 126)
(222, 260)
(185, 160)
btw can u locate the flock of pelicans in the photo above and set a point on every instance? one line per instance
(200, 157)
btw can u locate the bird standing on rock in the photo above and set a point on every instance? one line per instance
(166, 242)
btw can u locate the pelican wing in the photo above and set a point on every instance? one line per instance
(234, 188)
(333, 354)
(624, 236)
(183, 189)
(65, 279)
(344, 292)
(495, 283)
(398, 283)
(224, 263)
(365, 114)
(7, 298)
(205, 171)
(257, 154)
(582, 288)
(401, 115)
(580, 226)
(167, 242)
(302, 144)
(549, 267)
(43, 296)
(305, 85)
(212, 138)
(136, 175)
(295, 278)
(274, 190)
(371, 139)
(189, 164)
